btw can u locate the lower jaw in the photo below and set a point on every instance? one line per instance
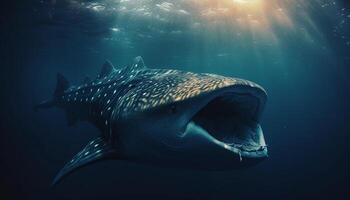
(242, 151)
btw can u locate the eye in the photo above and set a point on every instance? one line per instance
(173, 109)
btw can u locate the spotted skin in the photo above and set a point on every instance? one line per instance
(132, 90)
(117, 94)
(93, 151)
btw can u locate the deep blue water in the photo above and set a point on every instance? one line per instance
(299, 51)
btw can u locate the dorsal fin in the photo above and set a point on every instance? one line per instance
(62, 84)
(137, 64)
(107, 68)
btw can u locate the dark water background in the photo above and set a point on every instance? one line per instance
(306, 121)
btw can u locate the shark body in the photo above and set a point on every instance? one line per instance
(165, 117)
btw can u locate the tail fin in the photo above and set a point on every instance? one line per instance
(44, 104)
(61, 86)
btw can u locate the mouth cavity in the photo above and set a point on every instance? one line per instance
(232, 121)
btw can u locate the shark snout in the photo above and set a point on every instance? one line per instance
(223, 120)
(201, 117)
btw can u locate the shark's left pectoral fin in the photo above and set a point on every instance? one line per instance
(96, 150)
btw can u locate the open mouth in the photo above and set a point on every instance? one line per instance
(231, 119)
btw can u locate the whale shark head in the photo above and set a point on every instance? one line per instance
(199, 120)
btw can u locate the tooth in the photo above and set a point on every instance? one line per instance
(240, 157)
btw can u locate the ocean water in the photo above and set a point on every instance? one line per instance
(299, 51)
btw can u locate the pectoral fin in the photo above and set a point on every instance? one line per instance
(96, 150)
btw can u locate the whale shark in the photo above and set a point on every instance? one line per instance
(165, 117)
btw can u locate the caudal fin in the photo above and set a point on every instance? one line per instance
(44, 104)
(61, 86)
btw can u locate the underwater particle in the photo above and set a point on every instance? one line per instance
(115, 29)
